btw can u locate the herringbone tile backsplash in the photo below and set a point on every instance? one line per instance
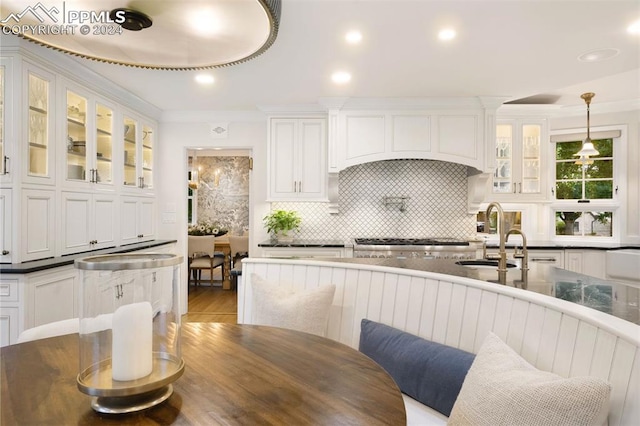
(436, 205)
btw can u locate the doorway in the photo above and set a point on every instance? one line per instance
(217, 197)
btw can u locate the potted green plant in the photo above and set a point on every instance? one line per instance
(280, 222)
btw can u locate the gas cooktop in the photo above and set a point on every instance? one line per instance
(429, 241)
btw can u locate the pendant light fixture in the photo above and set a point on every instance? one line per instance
(587, 146)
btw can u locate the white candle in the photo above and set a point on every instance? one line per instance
(131, 348)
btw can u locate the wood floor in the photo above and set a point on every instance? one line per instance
(212, 304)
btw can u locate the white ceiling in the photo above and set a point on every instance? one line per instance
(510, 48)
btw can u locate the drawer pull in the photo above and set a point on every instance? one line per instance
(543, 259)
(5, 252)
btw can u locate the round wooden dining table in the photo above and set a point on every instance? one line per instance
(234, 374)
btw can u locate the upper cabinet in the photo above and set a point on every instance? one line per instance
(6, 121)
(39, 113)
(455, 135)
(297, 159)
(519, 159)
(72, 146)
(138, 153)
(89, 126)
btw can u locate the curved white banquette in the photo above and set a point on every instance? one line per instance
(551, 334)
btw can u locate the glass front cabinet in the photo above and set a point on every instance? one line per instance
(40, 125)
(88, 140)
(138, 141)
(7, 137)
(519, 159)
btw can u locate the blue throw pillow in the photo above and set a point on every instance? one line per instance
(427, 371)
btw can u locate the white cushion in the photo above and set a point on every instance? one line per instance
(278, 306)
(501, 388)
(419, 414)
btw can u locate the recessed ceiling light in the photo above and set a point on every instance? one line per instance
(634, 28)
(447, 34)
(353, 37)
(204, 78)
(599, 55)
(341, 77)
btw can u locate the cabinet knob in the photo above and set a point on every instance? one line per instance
(5, 252)
(140, 235)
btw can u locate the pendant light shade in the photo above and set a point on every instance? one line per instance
(587, 146)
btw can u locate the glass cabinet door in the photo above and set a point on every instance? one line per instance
(503, 176)
(531, 135)
(3, 165)
(104, 145)
(147, 156)
(130, 147)
(38, 134)
(77, 137)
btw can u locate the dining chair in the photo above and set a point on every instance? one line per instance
(202, 255)
(239, 247)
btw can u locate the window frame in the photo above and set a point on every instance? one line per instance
(619, 187)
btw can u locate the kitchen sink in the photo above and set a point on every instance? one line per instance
(483, 263)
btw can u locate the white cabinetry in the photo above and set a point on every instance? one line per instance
(588, 262)
(519, 159)
(446, 135)
(137, 219)
(88, 221)
(10, 299)
(6, 240)
(62, 157)
(51, 295)
(297, 159)
(38, 130)
(88, 133)
(138, 153)
(547, 257)
(38, 224)
(307, 252)
(7, 127)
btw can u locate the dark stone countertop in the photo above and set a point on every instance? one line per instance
(568, 245)
(617, 299)
(305, 243)
(55, 262)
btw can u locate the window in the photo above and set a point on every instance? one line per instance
(577, 181)
(586, 193)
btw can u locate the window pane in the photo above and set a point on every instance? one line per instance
(566, 150)
(592, 224)
(604, 147)
(600, 169)
(600, 189)
(571, 190)
(568, 170)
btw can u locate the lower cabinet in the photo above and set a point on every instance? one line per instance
(38, 224)
(88, 222)
(308, 252)
(547, 257)
(50, 296)
(137, 219)
(588, 262)
(30, 300)
(6, 238)
(10, 299)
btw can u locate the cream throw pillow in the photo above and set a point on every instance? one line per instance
(277, 306)
(501, 388)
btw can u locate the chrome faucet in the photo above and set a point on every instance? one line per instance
(501, 257)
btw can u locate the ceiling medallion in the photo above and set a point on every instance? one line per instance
(167, 35)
